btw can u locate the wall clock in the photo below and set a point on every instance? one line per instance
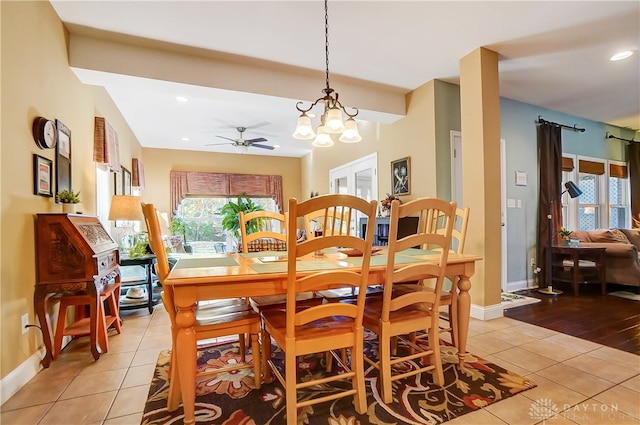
(44, 133)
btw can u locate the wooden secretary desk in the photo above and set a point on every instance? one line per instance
(75, 256)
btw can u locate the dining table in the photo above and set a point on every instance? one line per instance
(196, 278)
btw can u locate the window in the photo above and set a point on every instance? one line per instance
(203, 222)
(604, 202)
(618, 195)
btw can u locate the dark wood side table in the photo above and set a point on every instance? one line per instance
(576, 265)
(146, 261)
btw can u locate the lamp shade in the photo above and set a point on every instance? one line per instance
(351, 133)
(304, 129)
(323, 139)
(125, 207)
(573, 190)
(334, 123)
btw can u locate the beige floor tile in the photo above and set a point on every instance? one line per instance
(533, 330)
(125, 342)
(622, 358)
(581, 345)
(552, 350)
(109, 361)
(37, 392)
(632, 384)
(129, 401)
(149, 356)
(139, 375)
(507, 365)
(601, 368)
(556, 393)
(26, 416)
(592, 412)
(80, 410)
(483, 326)
(479, 417)
(619, 399)
(509, 336)
(487, 344)
(525, 359)
(94, 383)
(514, 410)
(575, 379)
(557, 420)
(156, 341)
(133, 419)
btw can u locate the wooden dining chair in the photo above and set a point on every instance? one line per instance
(322, 328)
(397, 314)
(327, 220)
(270, 236)
(213, 320)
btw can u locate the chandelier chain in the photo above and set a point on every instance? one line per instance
(326, 39)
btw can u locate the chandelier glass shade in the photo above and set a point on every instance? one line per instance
(331, 120)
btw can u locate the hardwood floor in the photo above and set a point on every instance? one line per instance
(607, 320)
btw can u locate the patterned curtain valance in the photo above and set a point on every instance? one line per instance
(105, 144)
(195, 183)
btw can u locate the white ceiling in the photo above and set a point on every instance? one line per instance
(552, 54)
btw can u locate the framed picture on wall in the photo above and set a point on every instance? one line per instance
(63, 158)
(126, 182)
(117, 183)
(42, 176)
(401, 176)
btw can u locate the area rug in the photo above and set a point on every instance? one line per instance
(229, 398)
(509, 300)
(626, 294)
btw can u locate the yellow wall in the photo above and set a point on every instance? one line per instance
(158, 163)
(37, 81)
(413, 136)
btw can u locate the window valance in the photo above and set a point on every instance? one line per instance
(195, 183)
(591, 167)
(105, 144)
(137, 173)
(618, 170)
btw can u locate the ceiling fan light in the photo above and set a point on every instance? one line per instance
(351, 133)
(334, 123)
(241, 149)
(304, 129)
(323, 139)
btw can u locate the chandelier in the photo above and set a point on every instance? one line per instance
(331, 121)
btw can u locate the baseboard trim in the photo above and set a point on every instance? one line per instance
(18, 377)
(488, 312)
(519, 285)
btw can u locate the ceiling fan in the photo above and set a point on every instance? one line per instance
(241, 144)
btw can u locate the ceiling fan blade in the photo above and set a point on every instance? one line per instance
(257, 140)
(219, 144)
(263, 147)
(222, 137)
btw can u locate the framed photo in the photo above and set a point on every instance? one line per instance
(63, 157)
(42, 176)
(401, 176)
(117, 183)
(126, 182)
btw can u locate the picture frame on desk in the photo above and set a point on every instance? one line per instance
(401, 176)
(42, 176)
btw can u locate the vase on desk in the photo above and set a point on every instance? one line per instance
(69, 208)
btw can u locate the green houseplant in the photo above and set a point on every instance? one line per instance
(68, 197)
(230, 213)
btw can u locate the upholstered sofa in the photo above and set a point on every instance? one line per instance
(623, 247)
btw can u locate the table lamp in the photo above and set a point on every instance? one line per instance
(574, 191)
(126, 208)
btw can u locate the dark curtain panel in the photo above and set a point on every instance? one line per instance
(633, 158)
(550, 148)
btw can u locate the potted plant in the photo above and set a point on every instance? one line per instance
(68, 199)
(230, 213)
(178, 227)
(385, 205)
(565, 234)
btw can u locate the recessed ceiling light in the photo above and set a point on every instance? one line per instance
(621, 55)
(182, 99)
(185, 139)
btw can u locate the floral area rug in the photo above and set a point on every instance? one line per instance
(229, 398)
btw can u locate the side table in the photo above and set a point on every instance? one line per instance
(587, 265)
(146, 261)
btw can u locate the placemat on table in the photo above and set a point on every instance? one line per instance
(280, 267)
(190, 263)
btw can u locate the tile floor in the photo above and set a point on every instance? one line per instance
(584, 382)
